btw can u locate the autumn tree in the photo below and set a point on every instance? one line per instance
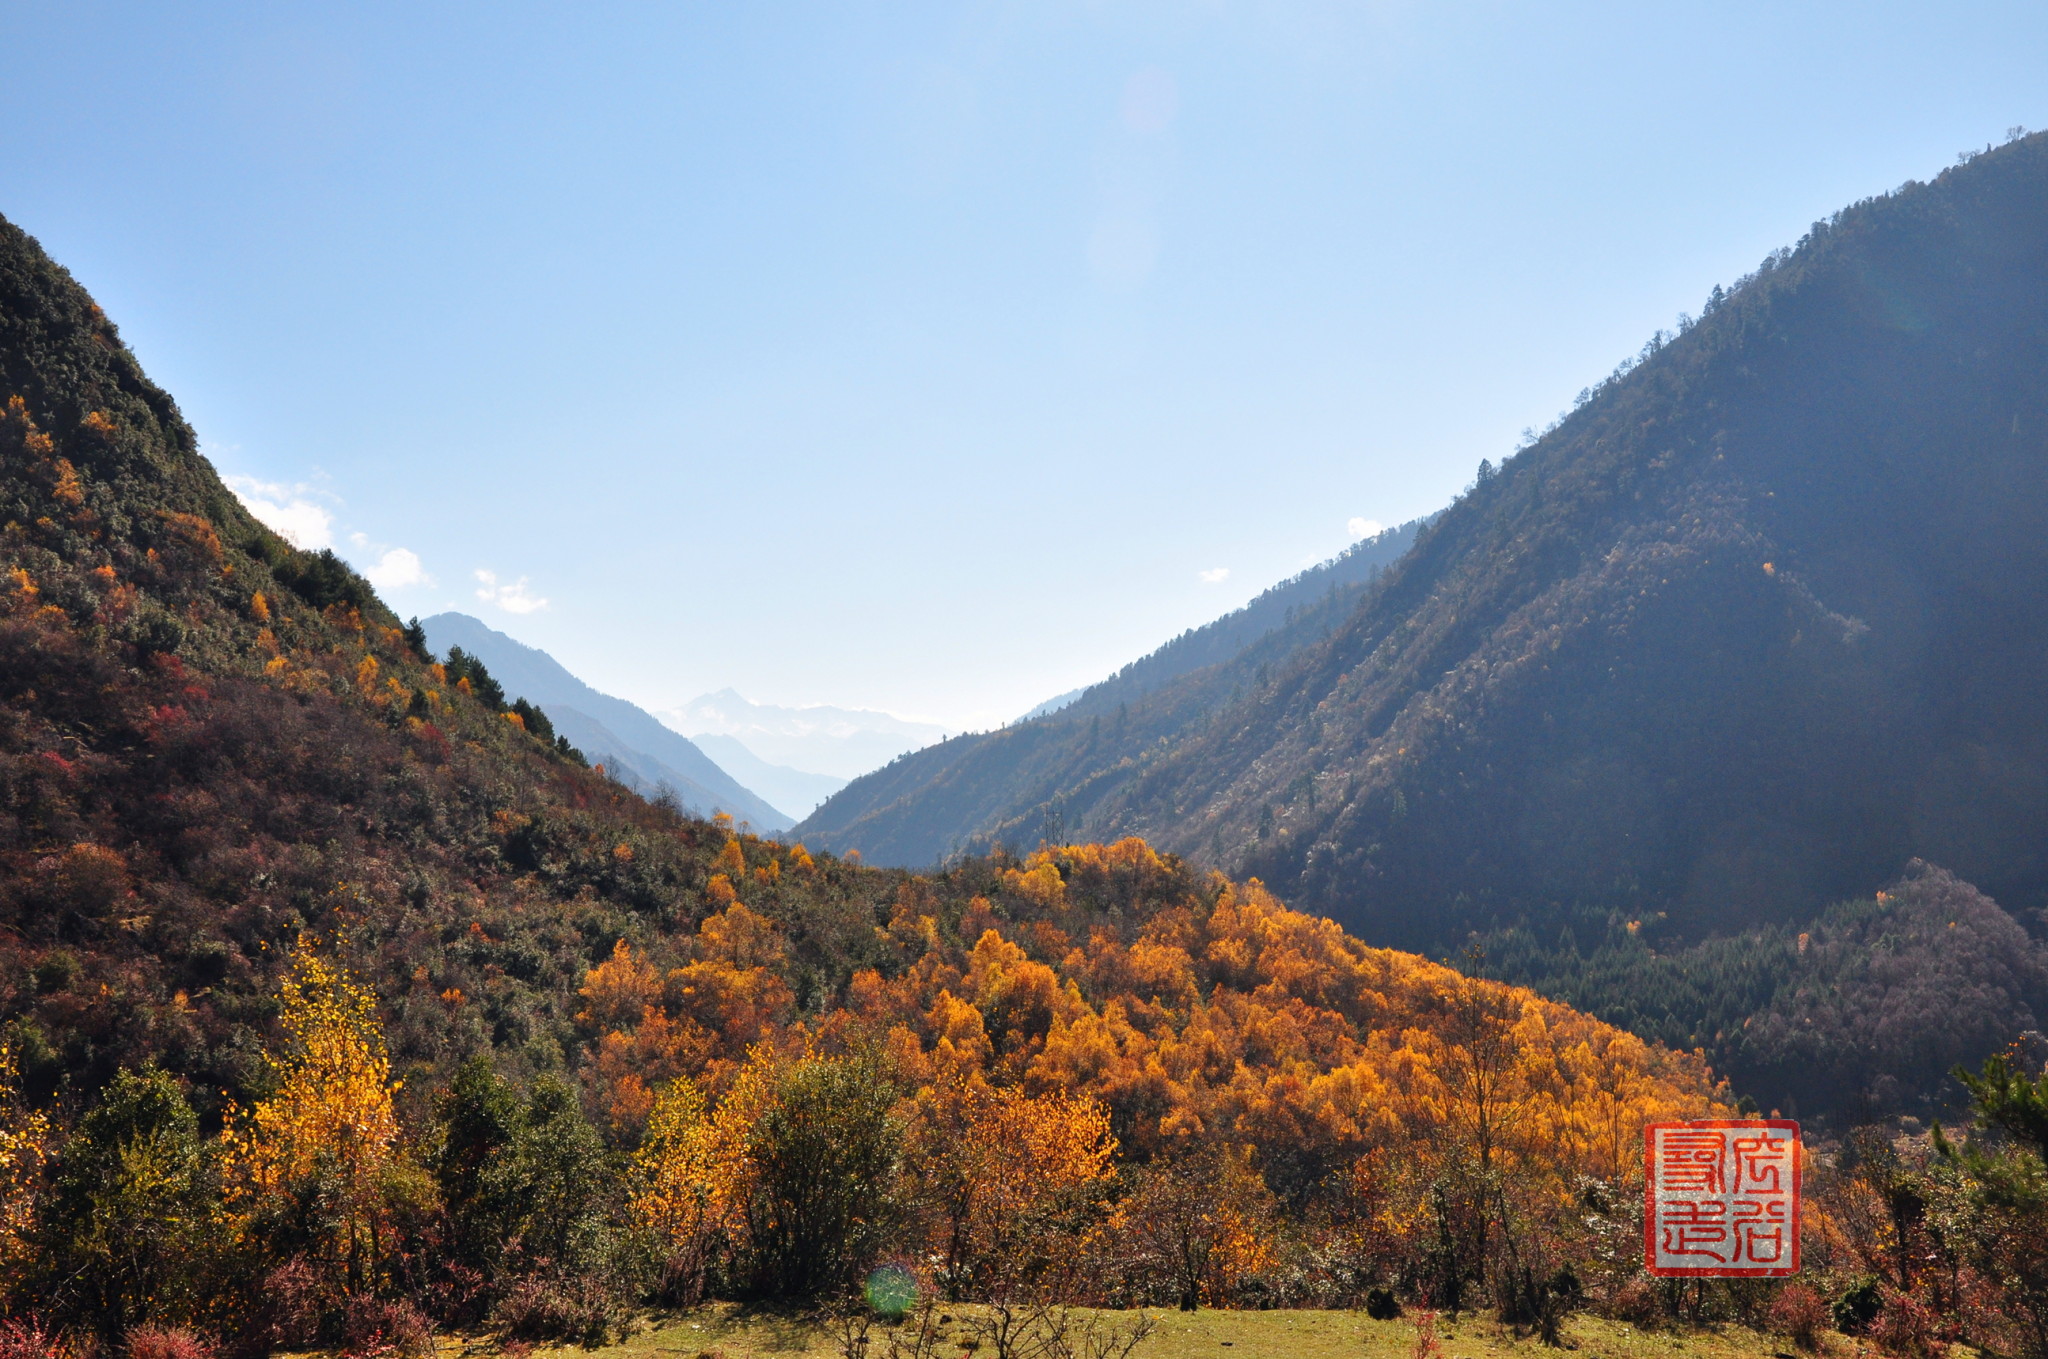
(1478, 1058)
(823, 1156)
(688, 1178)
(1195, 1224)
(1015, 1184)
(24, 1147)
(307, 1167)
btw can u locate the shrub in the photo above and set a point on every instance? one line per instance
(132, 1220)
(1800, 1313)
(289, 1306)
(1639, 1302)
(825, 1154)
(558, 1307)
(1906, 1327)
(1856, 1306)
(153, 1342)
(28, 1338)
(378, 1326)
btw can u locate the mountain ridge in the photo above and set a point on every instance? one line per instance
(1209, 662)
(627, 739)
(1689, 601)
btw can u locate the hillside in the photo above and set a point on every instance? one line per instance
(625, 738)
(1755, 624)
(1014, 785)
(400, 1005)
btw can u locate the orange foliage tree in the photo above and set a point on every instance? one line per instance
(328, 1137)
(1014, 1185)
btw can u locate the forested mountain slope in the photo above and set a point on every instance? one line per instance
(215, 749)
(338, 1002)
(1762, 619)
(256, 841)
(1012, 786)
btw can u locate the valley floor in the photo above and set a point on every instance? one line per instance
(728, 1332)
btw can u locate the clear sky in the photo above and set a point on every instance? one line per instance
(932, 358)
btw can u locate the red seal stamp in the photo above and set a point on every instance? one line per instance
(1721, 1198)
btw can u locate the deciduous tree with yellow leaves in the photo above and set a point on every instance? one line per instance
(310, 1164)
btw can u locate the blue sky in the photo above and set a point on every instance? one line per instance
(928, 358)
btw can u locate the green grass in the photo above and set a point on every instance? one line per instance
(730, 1332)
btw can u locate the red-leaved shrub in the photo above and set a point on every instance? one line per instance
(154, 1342)
(373, 1327)
(1907, 1327)
(1800, 1313)
(1639, 1302)
(26, 1338)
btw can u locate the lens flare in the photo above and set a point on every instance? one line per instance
(892, 1291)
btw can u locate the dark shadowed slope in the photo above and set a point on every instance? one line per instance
(1761, 620)
(625, 738)
(1015, 785)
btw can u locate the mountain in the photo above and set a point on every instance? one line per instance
(842, 743)
(625, 738)
(347, 1004)
(1053, 704)
(781, 785)
(1012, 786)
(1756, 623)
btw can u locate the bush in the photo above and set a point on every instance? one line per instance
(1907, 1327)
(826, 1152)
(1640, 1302)
(557, 1307)
(28, 1338)
(377, 1326)
(152, 1342)
(1800, 1313)
(288, 1307)
(1857, 1306)
(132, 1226)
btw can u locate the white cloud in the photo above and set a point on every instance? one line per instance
(511, 598)
(286, 510)
(1214, 576)
(1364, 528)
(398, 568)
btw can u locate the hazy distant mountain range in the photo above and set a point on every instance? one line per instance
(842, 742)
(623, 737)
(796, 790)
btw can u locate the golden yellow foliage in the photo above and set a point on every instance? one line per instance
(331, 1115)
(618, 990)
(24, 1147)
(693, 1173)
(1017, 1180)
(67, 491)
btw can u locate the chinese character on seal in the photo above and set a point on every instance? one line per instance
(1721, 1198)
